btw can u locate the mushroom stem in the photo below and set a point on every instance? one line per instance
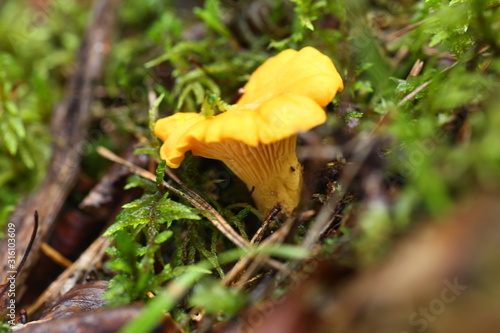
(271, 172)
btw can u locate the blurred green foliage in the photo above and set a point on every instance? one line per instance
(37, 50)
(439, 152)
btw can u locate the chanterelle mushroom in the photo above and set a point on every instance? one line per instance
(256, 138)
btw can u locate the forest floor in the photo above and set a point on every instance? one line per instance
(397, 229)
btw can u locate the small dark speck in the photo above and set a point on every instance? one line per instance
(251, 191)
(292, 168)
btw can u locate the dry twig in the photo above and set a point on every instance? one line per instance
(194, 199)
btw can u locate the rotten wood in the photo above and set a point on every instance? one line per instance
(98, 321)
(72, 274)
(82, 298)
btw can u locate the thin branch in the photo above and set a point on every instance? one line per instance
(414, 93)
(194, 199)
(26, 253)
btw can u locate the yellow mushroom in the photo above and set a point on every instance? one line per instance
(256, 138)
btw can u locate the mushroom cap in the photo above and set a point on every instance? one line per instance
(307, 72)
(284, 96)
